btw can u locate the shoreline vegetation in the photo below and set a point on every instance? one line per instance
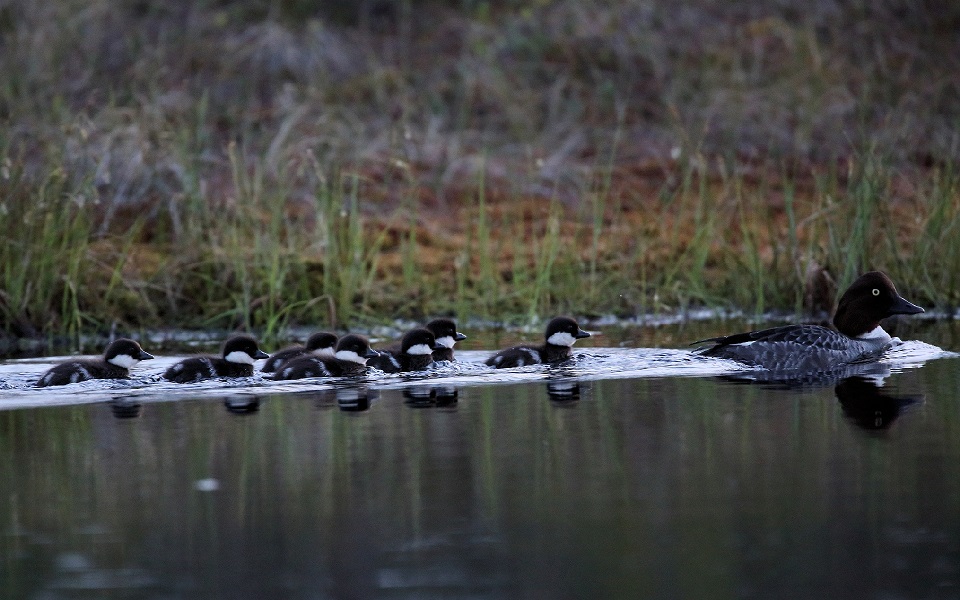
(258, 166)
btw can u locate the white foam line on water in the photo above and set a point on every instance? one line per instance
(912, 354)
(18, 376)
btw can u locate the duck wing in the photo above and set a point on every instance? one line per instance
(804, 335)
(793, 347)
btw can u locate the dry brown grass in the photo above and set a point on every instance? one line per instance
(506, 157)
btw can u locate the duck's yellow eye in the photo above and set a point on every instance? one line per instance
(876, 291)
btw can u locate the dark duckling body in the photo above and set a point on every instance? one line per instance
(443, 330)
(236, 360)
(322, 344)
(561, 334)
(350, 359)
(116, 362)
(415, 353)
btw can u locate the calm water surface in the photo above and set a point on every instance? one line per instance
(626, 474)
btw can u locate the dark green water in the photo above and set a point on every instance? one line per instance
(687, 487)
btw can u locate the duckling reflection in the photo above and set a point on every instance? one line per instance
(418, 396)
(125, 408)
(428, 396)
(242, 404)
(355, 398)
(865, 403)
(446, 395)
(324, 399)
(563, 391)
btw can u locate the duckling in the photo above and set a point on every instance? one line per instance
(118, 358)
(238, 356)
(350, 358)
(561, 334)
(445, 330)
(416, 353)
(320, 344)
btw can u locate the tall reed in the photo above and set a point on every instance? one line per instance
(251, 260)
(42, 257)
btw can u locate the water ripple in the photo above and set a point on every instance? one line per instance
(18, 376)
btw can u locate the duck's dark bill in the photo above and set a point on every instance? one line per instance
(903, 307)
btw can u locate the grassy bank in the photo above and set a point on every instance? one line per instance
(232, 165)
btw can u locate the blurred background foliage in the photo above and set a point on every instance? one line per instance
(260, 164)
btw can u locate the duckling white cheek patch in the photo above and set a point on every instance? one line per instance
(239, 357)
(350, 356)
(123, 360)
(446, 341)
(561, 339)
(419, 350)
(324, 352)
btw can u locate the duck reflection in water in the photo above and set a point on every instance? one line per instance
(859, 388)
(429, 396)
(798, 380)
(125, 408)
(563, 391)
(355, 398)
(242, 404)
(866, 404)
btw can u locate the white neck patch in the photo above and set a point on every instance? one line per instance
(350, 356)
(562, 339)
(420, 349)
(878, 334)
(239, 357)
(124, 360)
(446, 341)
(324, 352)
